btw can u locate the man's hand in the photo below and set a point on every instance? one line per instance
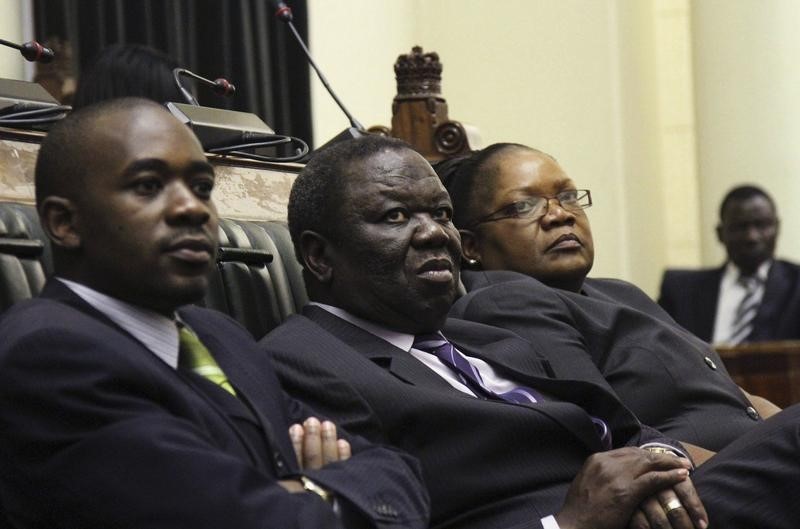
(679, 508)
(316, 445)
(611, 486)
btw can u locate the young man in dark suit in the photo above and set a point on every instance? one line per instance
(503, 443)
(753, 296)
(122, 406)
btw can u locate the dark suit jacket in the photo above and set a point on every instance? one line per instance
(487, 464)
(690, 296)
(671, 380)
(99, 432)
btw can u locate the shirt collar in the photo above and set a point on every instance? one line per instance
(761, 272)
(156, 332)
(398, 339)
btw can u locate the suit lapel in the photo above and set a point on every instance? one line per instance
(407, 368)
(255, 402)
(58, 291)
(776, 292)
(705, 307)
(519, 364)
(398, 362)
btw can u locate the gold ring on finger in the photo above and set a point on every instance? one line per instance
(673, 504)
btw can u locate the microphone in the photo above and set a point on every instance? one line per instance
(282, 11)
(284, 14)
(220, 86)
(32, 51)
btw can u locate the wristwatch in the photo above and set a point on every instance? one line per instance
(310, 486)
(661, 450)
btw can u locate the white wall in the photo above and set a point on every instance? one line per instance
(658, 106)
(355, 43)
(576, 78)
(12, 65)
(748, 108)
(538, 73)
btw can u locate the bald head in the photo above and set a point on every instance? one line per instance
(124, 194)
(66, 155)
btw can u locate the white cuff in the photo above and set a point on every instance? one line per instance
(549, 522)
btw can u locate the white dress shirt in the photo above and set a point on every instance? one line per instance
(156, 332)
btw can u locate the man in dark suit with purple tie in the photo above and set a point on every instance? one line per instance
(502, 441)
(122, 406)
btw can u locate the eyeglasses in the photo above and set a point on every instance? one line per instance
(536, 207)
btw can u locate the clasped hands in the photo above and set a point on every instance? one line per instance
(627, 487)
(633, 488)
(315, 445)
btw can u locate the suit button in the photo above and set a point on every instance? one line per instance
(752, 413)
(710, 363)
(278, 458)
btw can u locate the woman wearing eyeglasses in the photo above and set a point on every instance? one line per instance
(521, 217)
(518, 210)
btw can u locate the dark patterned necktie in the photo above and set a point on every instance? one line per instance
(746, 311)
(469, 375)
(193, 355)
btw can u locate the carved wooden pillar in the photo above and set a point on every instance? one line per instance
(419, 112)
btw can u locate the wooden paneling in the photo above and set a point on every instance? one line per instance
(768, 369)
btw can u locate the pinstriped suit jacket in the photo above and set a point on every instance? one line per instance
(492, 464)
(487, 464)
(669, 378)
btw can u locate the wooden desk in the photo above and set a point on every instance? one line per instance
(245, 189)
(768, 369)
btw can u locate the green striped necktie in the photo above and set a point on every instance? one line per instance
(193, 355)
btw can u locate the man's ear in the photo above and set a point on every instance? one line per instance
(719, 233)
(469, 246)
(58, 217)
(315, 250)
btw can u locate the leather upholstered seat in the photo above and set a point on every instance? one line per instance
(258, 281)
(24, 254)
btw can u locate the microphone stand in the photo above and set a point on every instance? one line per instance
(28, 105)
(356, 129)
(229, 131)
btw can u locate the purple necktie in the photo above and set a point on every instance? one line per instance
(469, 375)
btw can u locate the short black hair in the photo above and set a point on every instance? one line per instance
(744, 192)
(318, 191)
(468, 179)
(68, 146)
(128, 70)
